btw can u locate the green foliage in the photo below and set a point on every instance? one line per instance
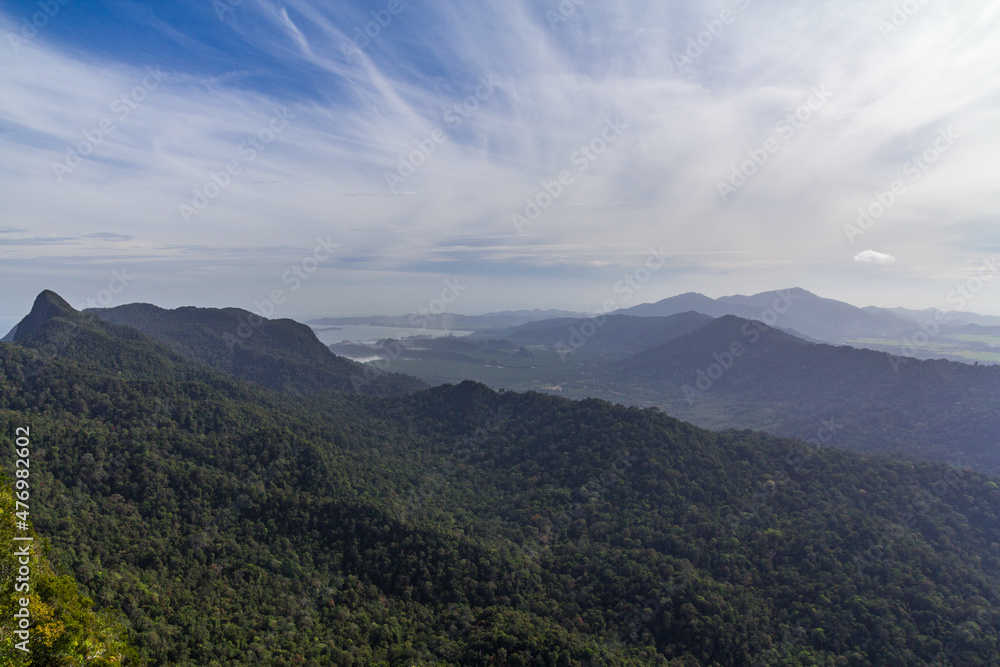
(934, 409)
(278, 354)
(849, 398)
(232, 525)
(64, 630)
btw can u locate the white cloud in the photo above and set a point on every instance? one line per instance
(872, 257)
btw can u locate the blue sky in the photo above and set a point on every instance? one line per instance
(536, 151)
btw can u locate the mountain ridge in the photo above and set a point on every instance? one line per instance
(280, 354)
(460, 523)
(940, 409)
(795, 308)
(47, 305)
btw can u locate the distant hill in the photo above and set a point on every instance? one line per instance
(741, 373)
(955, 318)
(230, 525)
(974, 330)
(611, 335)
(795, 309)
(278, 354)
(689, 301)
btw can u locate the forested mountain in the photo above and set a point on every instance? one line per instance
(748, 375)
(234, 525)
(279, 354)
(736, 373)
(66, 630)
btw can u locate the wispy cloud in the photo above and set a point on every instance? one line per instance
(357, 115)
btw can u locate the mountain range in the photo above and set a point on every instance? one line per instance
(809, 315)
(225, 522)
(279, 354)
(749, 375)
(730, 372)
(925, 334)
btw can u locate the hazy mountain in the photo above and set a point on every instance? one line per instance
(828, 320)
(682, 303)
(739, 373)
(975, 330)
(460, 526)
(794, 309)
(278, 354)
(611, 335)
(953, 317)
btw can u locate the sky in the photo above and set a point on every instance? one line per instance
(307, 159)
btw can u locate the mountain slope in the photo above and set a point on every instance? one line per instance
(462, 526)
(682, 303)
(65, 629)
(278, 354)
(614, 335)
(824, 319)
(48, 305)
(748, 375)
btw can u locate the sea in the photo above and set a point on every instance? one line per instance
(365, 333)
